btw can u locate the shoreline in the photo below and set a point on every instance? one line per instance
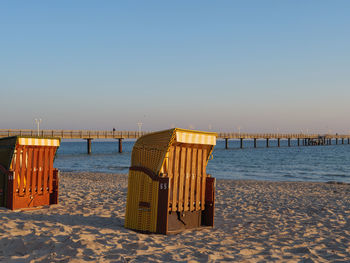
(254, 221)
(218, 179)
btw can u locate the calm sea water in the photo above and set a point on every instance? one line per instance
(304, 163)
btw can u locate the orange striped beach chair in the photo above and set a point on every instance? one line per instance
(169, 189)
(27, 176)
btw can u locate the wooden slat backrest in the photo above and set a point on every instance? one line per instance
(204, 177)
(17, 169)
(175, 177)
(43, 168)
(22, 151)
(33, 167)
(182, 177)
(187, 175)
(35, 170)
(29, 168)
(193, 178)
(188, 178)
(40, 171)
(170, 174)
(198, 178)
(46, 168)
(51, 156)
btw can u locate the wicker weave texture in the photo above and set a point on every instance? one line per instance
(141, 189)
(149, 151)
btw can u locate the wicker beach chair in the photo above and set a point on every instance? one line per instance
(168, 187)
(27, 176)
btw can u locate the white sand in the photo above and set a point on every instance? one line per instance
(254, 222)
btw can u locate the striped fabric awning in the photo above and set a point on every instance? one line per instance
(38, 142)
(195, 138)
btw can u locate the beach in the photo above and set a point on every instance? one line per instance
(255, 221)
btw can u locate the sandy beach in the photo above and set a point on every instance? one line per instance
(255, 221)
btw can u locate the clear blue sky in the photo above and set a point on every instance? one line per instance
(265, 66)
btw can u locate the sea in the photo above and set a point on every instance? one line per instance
(330, 163)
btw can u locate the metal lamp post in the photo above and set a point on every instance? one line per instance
(38, 121)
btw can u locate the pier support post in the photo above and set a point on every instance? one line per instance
(254, 142)
(267, 143)
(226, 143)
(348, 140)
(278, 142)
(241, 143)
(89, 145)
(336, 141)
(330, 141)
(288, 142)
(120, 145)
(298, 142)
(342, 140)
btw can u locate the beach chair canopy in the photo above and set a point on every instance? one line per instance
(152, 151)
(8, 147)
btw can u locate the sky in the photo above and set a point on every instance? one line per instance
(253, 66)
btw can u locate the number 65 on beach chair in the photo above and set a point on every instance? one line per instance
(27, 176)
(168, 187)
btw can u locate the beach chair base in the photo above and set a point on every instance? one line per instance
(16, 200)
(172, 222)
(178, 222)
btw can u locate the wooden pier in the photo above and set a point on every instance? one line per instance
(89, 135)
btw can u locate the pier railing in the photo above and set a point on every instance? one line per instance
(224, 135)
(73, 134)
(91, 134)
